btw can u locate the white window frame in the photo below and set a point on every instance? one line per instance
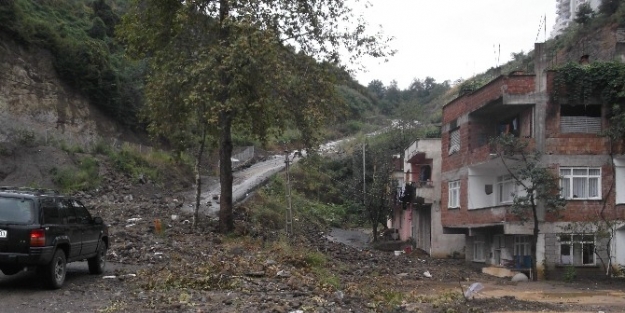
(522, 245)
(506, 189)
(580, 179)
(454, 194)
(454, 141)
(575, 244)
(479, 250)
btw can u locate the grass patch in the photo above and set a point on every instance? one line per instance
(86, 177)
(134, 164)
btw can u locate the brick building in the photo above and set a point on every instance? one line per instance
(477, 190)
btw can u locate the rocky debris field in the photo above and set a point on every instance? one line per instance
(180, 269)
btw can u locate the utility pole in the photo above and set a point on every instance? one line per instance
(289, 210)
(364, 176)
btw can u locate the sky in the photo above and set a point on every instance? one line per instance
(453, 39)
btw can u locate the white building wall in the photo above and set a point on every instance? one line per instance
(442, 245)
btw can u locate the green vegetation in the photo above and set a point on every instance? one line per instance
(85, 177)
(570, 274)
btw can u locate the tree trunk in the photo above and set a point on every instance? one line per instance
(226, 219)
(375, 232)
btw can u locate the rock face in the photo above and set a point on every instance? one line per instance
(35, 105)
(604, 44)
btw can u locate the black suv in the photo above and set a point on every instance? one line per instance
(45, 230)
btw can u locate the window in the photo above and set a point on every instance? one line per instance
(577, 249)
(454, 194)
(506, 187)
(478, 249)
(509, 126)
(580, 119)
(580, 182)
(14, 210)
(522, 245)
(454, 141)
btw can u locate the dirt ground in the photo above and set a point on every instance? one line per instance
(181, 269)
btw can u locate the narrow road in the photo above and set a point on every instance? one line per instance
(245, 181)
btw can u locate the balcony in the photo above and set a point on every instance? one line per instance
(425, 192)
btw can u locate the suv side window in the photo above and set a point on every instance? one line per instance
(52, 214)
(80, 211)
(69, 209)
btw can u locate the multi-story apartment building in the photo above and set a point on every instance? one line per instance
(565, 13)
(477, 190)
(418, 215)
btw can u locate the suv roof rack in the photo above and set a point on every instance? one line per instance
(30, 189)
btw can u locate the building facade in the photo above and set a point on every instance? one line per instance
(478, 190)
(417, 214)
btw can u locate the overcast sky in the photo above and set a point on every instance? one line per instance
(452, 39)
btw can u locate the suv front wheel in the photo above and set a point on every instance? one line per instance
(54, 272)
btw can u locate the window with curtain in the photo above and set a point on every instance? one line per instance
(506, 187)
(579, 183)
(577, 249)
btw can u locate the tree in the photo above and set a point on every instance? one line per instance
(584, 13)
(539, 186)
(377, 89)
(609, 7)
(219, 65)
(377, 171)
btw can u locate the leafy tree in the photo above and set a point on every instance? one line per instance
(539, 186)
(609, 7)
(584, 13)
(377, 89)
(219, 65)
(376, 172)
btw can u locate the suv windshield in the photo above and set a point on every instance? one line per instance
(16, 210)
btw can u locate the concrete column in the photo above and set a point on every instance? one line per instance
(540, 256)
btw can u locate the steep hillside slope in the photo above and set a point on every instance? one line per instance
(36, 105)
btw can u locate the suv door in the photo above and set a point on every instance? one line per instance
(90, 233)
(74, 228)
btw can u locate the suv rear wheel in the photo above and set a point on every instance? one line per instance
(54, 272)
(97, 263)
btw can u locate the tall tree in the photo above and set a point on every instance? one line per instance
(538, 185)
(219, 65)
